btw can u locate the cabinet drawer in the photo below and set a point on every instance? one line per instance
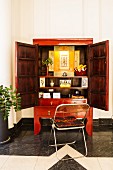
(49, 102)
(45, 111)
(56, 102)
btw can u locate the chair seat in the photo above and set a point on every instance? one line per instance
(69, 121)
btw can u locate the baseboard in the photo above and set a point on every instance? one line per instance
(28, 124)
(23, 124)
(103, 122)
(16, 129)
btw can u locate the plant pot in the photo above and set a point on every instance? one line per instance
(4, 133)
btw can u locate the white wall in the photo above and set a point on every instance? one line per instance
(69, 19)
(60, 18)
(5, 48)
(22, 31)
(5, 43)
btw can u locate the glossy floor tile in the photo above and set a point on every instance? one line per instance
(19, 163)
(26, 151)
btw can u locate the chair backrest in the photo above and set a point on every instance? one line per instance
(75, 110)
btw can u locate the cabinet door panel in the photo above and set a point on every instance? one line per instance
(97, 66)
(26, 73)
(26, 84)
(26, 67)
(97, 87)
(24, 52)
(98, 100)
(98, 72)
(28, 100)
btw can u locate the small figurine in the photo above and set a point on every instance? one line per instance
(64, 74)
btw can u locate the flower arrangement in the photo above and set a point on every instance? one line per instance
(80, 70)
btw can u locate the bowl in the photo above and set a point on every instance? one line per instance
(80, 73)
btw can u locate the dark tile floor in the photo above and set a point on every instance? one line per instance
(68, 165)
(25, 143)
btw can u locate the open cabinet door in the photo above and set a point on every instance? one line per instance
(98, 73)
(26, 73)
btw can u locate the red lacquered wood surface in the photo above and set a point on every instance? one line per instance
(47, 109)
(63, 41)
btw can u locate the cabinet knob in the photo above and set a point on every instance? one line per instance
(51, 103)
(49, 113)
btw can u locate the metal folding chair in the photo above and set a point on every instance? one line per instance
(69, 117)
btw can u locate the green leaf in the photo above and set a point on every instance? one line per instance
(9, 98)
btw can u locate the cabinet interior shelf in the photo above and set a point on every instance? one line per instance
(63, 87)
(52, 77)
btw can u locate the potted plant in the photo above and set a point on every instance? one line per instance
(47, 62)
(8, 98)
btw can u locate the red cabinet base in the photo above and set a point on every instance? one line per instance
(47, 109)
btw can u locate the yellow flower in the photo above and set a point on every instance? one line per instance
(81, 67)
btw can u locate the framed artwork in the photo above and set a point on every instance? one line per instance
(64, 57)
(46, 95)
(56, 95)
(64, 60)
(42, 82)
(65, 83)
(84, 82)
(51, 55)
(41, 94)
(77, 58)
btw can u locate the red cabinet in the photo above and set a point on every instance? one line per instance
(29, 69)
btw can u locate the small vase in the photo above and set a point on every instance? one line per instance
(47, 70)
(51, 83)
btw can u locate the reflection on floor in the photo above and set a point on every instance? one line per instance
(26, 151)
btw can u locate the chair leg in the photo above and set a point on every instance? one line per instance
(84, 141)
(55, 138)
(60, 144)
(55, 143)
